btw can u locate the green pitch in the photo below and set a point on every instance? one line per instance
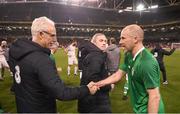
(170, 93)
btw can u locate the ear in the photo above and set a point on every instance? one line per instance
(136, 39)
(40, 35)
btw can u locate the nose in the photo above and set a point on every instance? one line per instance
(104, 42)
(120, 42)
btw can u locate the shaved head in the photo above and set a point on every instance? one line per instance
(132, 38)
(134, 30)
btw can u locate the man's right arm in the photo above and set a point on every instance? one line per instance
(111, 79)
(49, 78)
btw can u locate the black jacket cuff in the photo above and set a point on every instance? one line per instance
(84, 91)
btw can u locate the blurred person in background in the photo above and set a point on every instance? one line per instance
(113, 57)
(3, 58)
(54, 48)
(72, 58)
(159, 53)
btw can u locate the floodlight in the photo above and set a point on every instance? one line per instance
(120, 11)
(140, 7)
(153, 6)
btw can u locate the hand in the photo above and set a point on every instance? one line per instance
(92, 88)
(99, 84)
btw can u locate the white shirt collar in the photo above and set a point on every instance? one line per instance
(138, 53)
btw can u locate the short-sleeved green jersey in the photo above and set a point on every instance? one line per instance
(143, 73)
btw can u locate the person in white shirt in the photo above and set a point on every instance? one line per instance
(72, 59)
(3, 61)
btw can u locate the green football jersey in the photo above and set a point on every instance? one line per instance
(143, 73)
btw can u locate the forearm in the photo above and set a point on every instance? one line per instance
(55, 86)
(169, 52)
(112, 79)
(153, 105)
(153, 102)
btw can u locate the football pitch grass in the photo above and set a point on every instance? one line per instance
(170, 93)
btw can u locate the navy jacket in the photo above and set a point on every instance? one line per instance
(83, 49)
(95, 69)
(36, 81)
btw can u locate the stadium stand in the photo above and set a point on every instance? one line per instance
(83, 22)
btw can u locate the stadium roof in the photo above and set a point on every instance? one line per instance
(87, 18)
(109, 4)
(111, 12)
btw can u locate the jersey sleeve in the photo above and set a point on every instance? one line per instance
(124, 66)
(150, 74)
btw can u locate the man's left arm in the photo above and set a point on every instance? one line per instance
(168, 52)
(151, 79)
(154, 99)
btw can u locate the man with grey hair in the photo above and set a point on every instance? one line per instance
(36, 81)
(143, 72)
(94, 69)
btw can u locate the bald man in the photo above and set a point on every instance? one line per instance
(143, 72)
(36, 82)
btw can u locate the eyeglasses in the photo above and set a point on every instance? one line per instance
(50, 34)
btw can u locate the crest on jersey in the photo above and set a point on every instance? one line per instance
(132, 71)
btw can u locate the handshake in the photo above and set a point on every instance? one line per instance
(93, 87)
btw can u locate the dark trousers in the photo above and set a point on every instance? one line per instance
(98, 103)
(163, 70)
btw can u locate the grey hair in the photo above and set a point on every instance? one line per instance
(94, 38)
(40, 24)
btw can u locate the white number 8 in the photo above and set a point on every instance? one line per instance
(155, 54)
(17, 74)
